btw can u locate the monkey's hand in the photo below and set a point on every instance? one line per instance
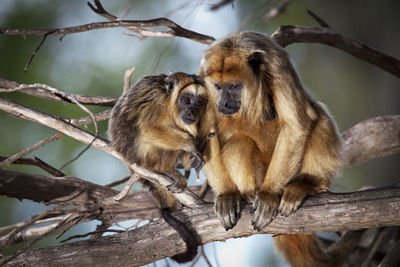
(179, 185)
(196, 159)
(227, 207)
(265, 208)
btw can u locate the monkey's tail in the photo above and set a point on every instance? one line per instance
(302, 251)
(185, 233)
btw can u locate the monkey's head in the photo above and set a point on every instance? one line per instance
(188, 96)
(237, 70)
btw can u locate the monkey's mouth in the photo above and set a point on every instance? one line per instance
(188, 121)
(228, 110)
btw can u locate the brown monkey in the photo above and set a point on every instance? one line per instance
(275, 144)
(155, 124)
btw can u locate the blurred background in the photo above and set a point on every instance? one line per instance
(94, 63)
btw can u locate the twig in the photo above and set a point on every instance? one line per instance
(35, 51)
(135, 25)
(118, 182)
(127, 78)
(318, 19)
(70, 98)
(276, 11)
(28, 150)
(104, 115)
(35, 161)
(91, 233)
(4, 240)
(12, 86)
(31, 243)
(289, 34)
(220, 4)
(203, 254)
(133, 178)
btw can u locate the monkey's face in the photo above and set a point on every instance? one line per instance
(188, 95)
(231, 74)
(190, 107)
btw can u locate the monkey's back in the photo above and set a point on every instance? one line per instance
(144, 102)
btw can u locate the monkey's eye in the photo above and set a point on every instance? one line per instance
(186, 100)
(199, 102)
(218, 86)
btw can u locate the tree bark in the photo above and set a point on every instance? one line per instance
(326, 212)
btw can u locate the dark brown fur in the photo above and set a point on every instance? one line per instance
(147, 126)
(275, 144)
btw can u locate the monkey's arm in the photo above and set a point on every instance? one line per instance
(168, 138)
(296, 116)
(227, 202)
(173, 139)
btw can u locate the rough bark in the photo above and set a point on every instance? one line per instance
(323, 213)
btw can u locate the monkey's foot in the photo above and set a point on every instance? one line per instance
(265, 208)
(227, 207)
(293, 196)
(178, 186)
(296, 191)
(197, 161)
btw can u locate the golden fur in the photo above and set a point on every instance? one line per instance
(277, 148)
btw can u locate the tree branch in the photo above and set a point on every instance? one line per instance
(175, 29)
(9, 86)
(289, 34)
(323, 213)
(373, 138)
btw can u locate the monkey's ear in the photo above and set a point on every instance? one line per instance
(255, 60)
(170, 81)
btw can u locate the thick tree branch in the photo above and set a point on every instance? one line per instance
(373, 138)
(322, 213)
(289, 34)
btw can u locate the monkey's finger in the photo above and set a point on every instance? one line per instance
(228, 222)
(220, 210)
(233, 212)
(255, 205)
(238, 209)
(267, 213)
(287, 207)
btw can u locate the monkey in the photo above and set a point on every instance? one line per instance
(155, 124)
(274, 146)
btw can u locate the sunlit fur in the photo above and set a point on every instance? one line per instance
(278, 162)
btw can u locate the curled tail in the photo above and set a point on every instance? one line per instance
(166, 202)
(186, 234)
(302, 251)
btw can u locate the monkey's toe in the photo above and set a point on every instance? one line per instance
(227, 207)
(265, 209)
(293, 196)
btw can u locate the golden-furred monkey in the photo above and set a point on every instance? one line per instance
(275, 144)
